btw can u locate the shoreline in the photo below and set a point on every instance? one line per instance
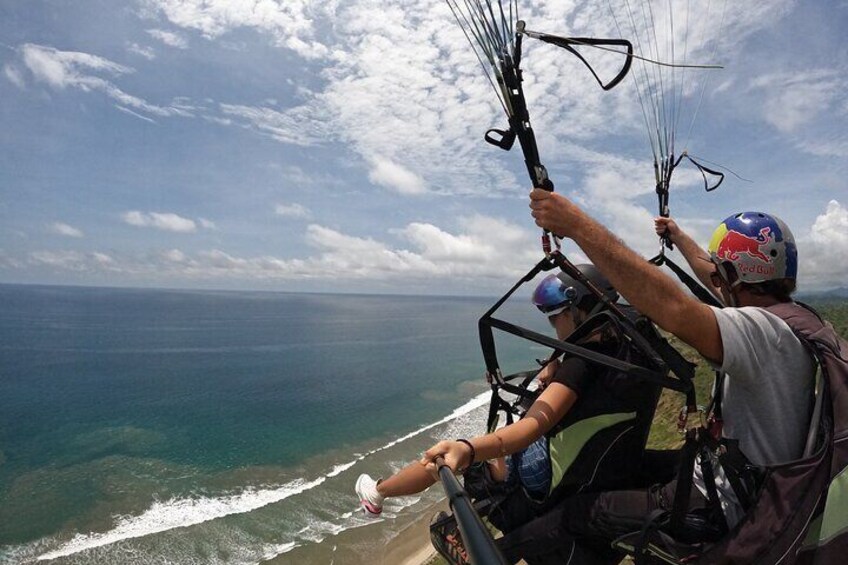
(411, 546)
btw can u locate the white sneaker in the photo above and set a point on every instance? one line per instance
(369, 498)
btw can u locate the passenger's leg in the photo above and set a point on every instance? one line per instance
(581, 527)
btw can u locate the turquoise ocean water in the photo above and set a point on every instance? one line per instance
(153, 426)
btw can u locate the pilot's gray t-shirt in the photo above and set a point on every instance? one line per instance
(767, 392)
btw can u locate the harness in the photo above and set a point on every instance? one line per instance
(781, 502)
(641, 355)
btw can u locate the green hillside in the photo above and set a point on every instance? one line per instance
(664, 432)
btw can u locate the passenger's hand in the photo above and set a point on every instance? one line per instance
(456, 454)
(547, 374)
(553, 212)
(666, 227)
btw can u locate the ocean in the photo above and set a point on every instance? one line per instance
(165, 426)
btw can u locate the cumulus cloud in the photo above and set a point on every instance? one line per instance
(487, 250)
(822, 253)
(71, 69)
(65, 229)
(481, 249)
(169, 38)
(395, 177)
(165, 221)
(292, 210)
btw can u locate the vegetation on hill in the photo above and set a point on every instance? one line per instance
(664, 434)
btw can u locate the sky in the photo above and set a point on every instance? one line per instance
(337, 146)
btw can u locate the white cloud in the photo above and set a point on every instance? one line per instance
(61, 69)
(207, 224)
(792, 100)
(402, 89)
(146, 52)
(76, 261)
(12, 73)
(70, 69)
(302, 125)
(174, 256)
(135, 114)
(395, 177)
(169, 38)
(486, 250)
(428, 103)
(289, 22)
(829, 146)
(66, 230)
(821, 254)
(489, 251)
(292, 210)
(831, 228)
(165, 221)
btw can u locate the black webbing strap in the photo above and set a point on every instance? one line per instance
(567, 42)
(652, 522)
(592, 356)
(714, 409)
(708, 473)
(694, 286)
(737, 468)
(680, 506)
(704, 172)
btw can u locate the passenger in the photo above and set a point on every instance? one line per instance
(767, 390)
(567, 304)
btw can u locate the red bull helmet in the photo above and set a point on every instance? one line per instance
(759, 246)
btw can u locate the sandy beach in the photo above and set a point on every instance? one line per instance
(408, 544)
(412, 546)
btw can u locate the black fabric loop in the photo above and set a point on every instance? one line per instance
(471, 447)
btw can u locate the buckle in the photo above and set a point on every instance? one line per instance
(686, 419)
(496, 378)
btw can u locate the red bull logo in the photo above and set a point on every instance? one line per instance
(734, 243)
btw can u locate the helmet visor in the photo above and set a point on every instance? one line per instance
(552, 296)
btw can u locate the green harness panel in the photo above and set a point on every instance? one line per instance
(566, 445)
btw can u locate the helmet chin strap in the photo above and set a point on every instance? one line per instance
(575, 314)
(732, 287)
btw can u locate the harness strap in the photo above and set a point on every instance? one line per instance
(680, 506)
(739, 472)
(694, 286)
(707, 471)
(651, 523)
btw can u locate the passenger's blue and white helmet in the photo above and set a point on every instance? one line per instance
(559, 291)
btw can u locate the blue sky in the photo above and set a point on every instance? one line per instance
(337, 146)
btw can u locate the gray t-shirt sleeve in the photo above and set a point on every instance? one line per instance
(753, 340)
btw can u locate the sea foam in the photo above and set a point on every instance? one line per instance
(163, 516)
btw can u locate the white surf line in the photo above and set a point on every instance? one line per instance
(476, 402)
(184, 512)
(181, 513)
